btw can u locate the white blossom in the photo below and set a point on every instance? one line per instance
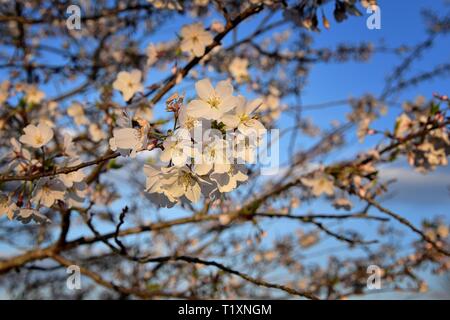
(68, 146)
(195, 39)
(188, 122)
(48, 191)
(18, 158)
(75, 176)
(76, 195)
(320, 183)
(403, 125)
(342, 203)
(245, 147)
(229, 180)
(96, 132)
(180, 181)
(166, 4)
(128, 140)
(37, 136)
(177, 148)
(33, 94)
(154, 188)
(7, 206)
(173, 184)
(128, 83)
(239, 69)
(214, 153)
(242, 119)
(25, 215)
(152, 54)
(212, 102)
(76, 111)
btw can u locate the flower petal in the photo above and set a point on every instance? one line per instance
(224, 88)
(204, 89)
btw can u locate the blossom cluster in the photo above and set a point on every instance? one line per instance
(214, 137)
(68, 188)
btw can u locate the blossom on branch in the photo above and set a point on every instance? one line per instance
(37, 136)
(128, 83)
(213, 103)
(195, 39)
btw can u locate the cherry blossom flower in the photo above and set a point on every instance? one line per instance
(154, 187)
(213, 102)
(403, 125)
(212, 154)
(18, 158)
(37, 137)
(434, 156)
(242, 119)
(201, 3)
(177, 148)
(217, 26)
(188, 122)
(152, 54)
(33, 95)
(308, 239)
(272, 104)
(180, 181)
(76, 195)
(320, 183)
(96, 133)
(166, 4)
(68, 146)
(239, 69)
(128, 83)
(76, 111)
(195, 39)
(443, 231)
(7, 207)
(145, 113)
(48, 191)
(75, 176)
(229, 180)
(25, 215)
(127, 140)
(245, 147)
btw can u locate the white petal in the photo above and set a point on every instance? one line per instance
(231, 121)
(221, 167)
(125, 138)
(198, 49)
(227, 104)
(250, 107)
(203, 168)
(252, 127)
(224, 88)
(204, 89)
(197, 109)
(193, 193)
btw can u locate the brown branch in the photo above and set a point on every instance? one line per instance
(143, 294)
(310, 217)
(169, 85)
(406, 223)
(217, 39)
(65, 170)
(244, 276)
